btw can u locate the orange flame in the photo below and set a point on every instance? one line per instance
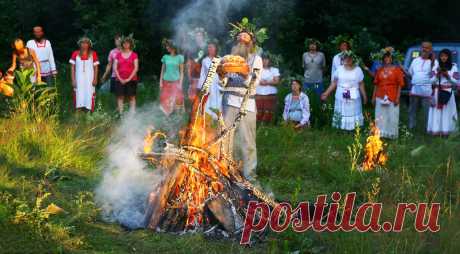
(149, 140)
(197, 180)
(374, 150)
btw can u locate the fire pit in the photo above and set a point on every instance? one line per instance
(203, 190)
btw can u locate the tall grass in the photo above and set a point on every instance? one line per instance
(55, 159)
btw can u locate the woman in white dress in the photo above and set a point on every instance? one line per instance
(84, 70)
(349, 95)
(214, 102)
(442, 115)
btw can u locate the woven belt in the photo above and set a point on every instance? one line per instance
(238, 94)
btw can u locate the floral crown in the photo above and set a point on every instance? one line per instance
(258, 35)
(165, 42)
(129, 39)
(339, 39)
(396, 55)
(275, 59)
(309, 41)
(198, 30)
(356, 59)
(85, 39)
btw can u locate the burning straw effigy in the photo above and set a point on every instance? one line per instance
(203, 190)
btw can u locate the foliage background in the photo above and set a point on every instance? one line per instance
(400, 23)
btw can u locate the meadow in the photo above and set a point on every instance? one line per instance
(56, 158)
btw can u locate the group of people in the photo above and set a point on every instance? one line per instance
(432, 83)
(432, 87)
(37, 56)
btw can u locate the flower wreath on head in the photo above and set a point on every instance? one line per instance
(129, 38)
(258, 35)
(198, 30)
(309, 41)
(275, 59)
(396, 55)
(165, 42)
(85, 39)
(339, 39)
(349, 53)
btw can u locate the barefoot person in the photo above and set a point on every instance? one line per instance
(44, 51)
(349, 95)
(245, 135)
(84, 70)
(297, 106)
(27, 59)
(442, 115)
(389, 79)
(171, 79)
(126, 65)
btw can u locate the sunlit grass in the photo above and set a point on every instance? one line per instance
(62, 155)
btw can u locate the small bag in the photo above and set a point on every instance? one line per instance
(443, 97)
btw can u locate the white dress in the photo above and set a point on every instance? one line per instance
(84, 75)
(443, 121)
(348, 108)
(215, 91)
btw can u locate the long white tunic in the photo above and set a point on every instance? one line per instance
(420, 70)
(84, 75)
(45, 55)
(215, 95)
(443, 121)
(348, 108)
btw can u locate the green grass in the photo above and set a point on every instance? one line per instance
(62, 157)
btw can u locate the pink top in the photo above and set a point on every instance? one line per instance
(113, 53)
(126, 66)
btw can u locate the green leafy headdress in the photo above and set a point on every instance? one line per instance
(258, 35)
(275, 59)
(85, 39)
(356, 59)
(165, 42)
(309, 41)
(129, 39)
(339, 39)
(396, 55)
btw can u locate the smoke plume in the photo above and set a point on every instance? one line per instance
(212, 15)
(127, 179)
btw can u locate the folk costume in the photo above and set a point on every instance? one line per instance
(442, 114)
(45, 55)
(244, 141)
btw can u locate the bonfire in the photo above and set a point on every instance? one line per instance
(203, 190)
(374, 153)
